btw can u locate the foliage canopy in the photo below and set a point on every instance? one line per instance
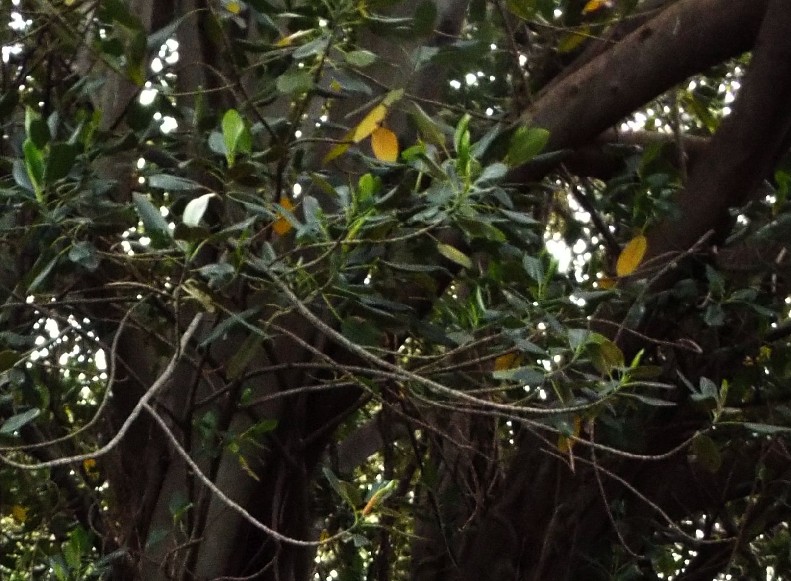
(394, 290)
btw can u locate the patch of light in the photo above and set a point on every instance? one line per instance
(455, 84)
(470, 79)
(156, 65)
(141, 163)
(726, 111)
(522, 60)
(51, 327)
(147, 96)
(560, 251)
(323, 23)
(144, 241)
(489, 111)
(11, 50)
(492, 46)
(297, 134)
(18, 23)
(297, 190)
(100, 360)
(168, 124)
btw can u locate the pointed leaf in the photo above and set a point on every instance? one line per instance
(369, 123)
(631, 256)
(15, 422)
(526, 143)
(195, 209)
(454, 255)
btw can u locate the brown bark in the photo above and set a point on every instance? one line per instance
(686, 38)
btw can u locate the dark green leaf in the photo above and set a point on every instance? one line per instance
(15, 422)
(155, 225)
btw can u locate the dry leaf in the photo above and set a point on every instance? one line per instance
(507, 361)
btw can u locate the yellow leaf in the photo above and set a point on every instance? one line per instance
(369, 123)
(631, 256)
(507, 361)
(19, 513)
(384, 144)
(234, 7)
(282, 226)
(594, 5)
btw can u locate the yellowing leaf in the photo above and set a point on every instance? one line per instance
(507, 361)
(370, 123)
(606, 282)
(234, 7)
(289, 40)
(594, 5)
(631, 256)
(566, 443)
(339, 148)
(384, 144)
(571, 41)
(19, 513)
(282, 226)
(454, 255)
(89, 465)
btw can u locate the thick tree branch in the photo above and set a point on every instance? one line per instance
(746, 146)
(688, 37)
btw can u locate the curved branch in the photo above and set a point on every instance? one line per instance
(688, 37)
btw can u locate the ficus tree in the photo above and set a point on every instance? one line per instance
(440, 290)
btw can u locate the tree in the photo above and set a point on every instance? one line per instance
(282, 297)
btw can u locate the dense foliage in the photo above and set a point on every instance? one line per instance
(394, 290)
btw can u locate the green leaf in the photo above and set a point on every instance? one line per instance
(294, 81)
(524, 9)
(526, 143)
(195, 209)
(766, 428)
(527, 375)
(534, 268)
(155, 225)
(8, 359)
(84, 254)
(706, 452)
(60, 160)
(360, 58)
(15, 422)
(424, 19)
(361, 331)
(429, 129)
(236, 137)
(454, 255)
(34, 164)
(171, 183)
